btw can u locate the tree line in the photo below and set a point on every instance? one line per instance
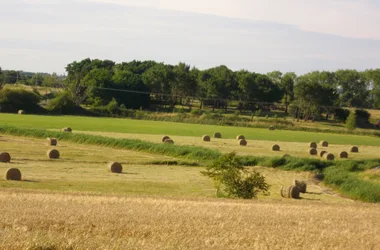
(99, 82)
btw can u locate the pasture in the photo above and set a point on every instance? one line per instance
(118, 125)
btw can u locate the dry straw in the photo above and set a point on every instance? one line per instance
(313, 151)
(313, 145)
(13, 174)
(242, 142)
(169, 141)
(301, 185)
(51, 141)
(165, 138)
(5, 157)
(115, 167)
(68, 129)
(329, 157)
(343, 155)
(324, 144)
(240, 137)
(290, 192)
(21, 112)
(206, 138)
(322, 153)
(354, 149)
(218, 135)
(53, 154)
(275, 147)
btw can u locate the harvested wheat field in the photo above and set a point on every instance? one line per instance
(69, 221)
(254, 147)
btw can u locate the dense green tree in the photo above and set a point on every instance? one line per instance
(373, 80)
(287, 86)
(353, 88)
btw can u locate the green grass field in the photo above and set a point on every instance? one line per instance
(179, 129)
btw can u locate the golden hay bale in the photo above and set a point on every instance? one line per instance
(68, 129)
(53, 154)
(169, 141)
(271, 127)
(115, 167)
(13, 174)
(5, 157)
(290, 192)
(329, 157)
(343, 155)
(354, 149)
(313, 151)
(301, 185)
(322, 153)
(324, 144)
(21, 112)
(312, 145)
(242, 142)
(240, 137)
(217, 135)
(206, 138)
(51, 141)
(275, 147)
(164, 138)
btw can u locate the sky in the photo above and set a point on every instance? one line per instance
(256, 35)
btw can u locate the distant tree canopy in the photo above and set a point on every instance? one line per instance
(127, 83)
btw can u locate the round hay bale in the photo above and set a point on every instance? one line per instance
(218, 135)
(312, 145)
(51, 141)
(301, 185)
(290, 192)
(5, 157)
(322, 153)
(68, 129)
(165, 138)
(115, 167)
(21, 112)
(343, 155)
(324, 144)
(242, 142)
(354, 149)
(169, 141)
(275, 147)
(13, 174)
(271, 127)
(53, 154)
(240, 137)
(206, 138)
(313, 151)
(329, 157)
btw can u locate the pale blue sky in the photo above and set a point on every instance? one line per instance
(258, 35)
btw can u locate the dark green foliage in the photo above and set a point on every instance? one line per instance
(362, 118)
(228, 173)
(341, 114)
(62, 104)
(12, 100)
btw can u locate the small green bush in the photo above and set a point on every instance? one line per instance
(228, 173)
(351, 122)
(62, 104)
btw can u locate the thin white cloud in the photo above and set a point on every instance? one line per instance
(348, 18)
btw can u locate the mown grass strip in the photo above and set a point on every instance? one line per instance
(189, 152)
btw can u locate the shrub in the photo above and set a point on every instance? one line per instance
(228, 173)
(113, 107)
(341, 114)
(351, 122)
(62, 104)
(362, 118)
(12, 100)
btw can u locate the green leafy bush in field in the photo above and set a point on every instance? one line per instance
(228, 173)
(12, 100)
(62, 104)
(351, 121)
